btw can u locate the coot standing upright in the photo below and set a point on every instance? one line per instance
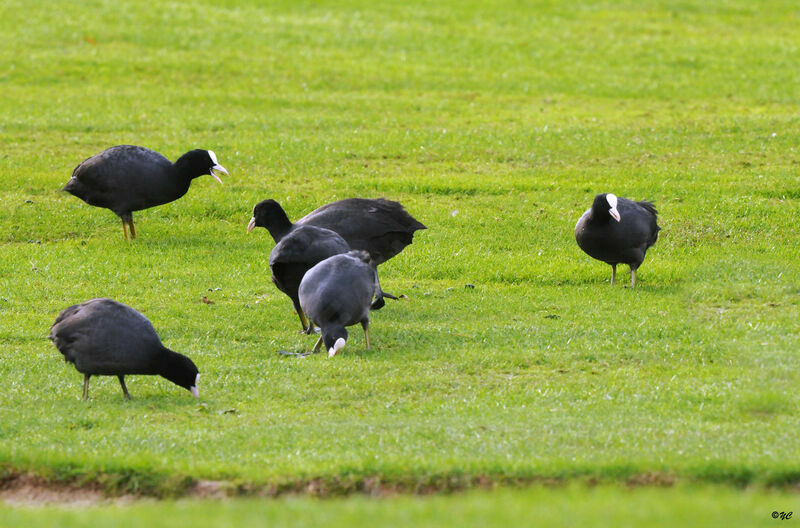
(337, 293)
(618, 231)
(102, 337)
(380, 227)
(128, 178)
(298, 249)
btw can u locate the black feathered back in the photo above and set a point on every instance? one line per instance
(379, 226)
(105, 337)
(648, 206)
(128, 178)
(297, 252)
(339, 290)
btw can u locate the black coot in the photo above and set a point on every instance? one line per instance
(102, 337)
(298, 249)
(128, 178)
(380, 227)
(337, 293)
(618, 231)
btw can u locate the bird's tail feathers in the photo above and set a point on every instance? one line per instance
(649, 207)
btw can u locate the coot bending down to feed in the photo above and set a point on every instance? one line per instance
(337, 293)
(102, 337)
(299, 248)
(128, 178)
(618, 231)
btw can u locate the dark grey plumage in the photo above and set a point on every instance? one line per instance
(102, 337)
(618, 231)
(380, 227)
(296, 253)
(337, 293)
(127, 178)
(298, 248)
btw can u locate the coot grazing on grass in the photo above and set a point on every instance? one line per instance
(128, 178)
(102, 337)
(337, 293)
(617, 231)
(298, 249)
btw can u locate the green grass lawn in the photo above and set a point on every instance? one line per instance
(495, 124)
(571, 506)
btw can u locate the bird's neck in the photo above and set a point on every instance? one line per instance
(171, 365)
(185, 169)
(598, 217)
(279, 227)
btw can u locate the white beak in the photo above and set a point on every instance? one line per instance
(252, 224)
(220, 168)
(337, 346)
(195, 391)
(614, 213)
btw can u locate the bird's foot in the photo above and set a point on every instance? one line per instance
(377, 304)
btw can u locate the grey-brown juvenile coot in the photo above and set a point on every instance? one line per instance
(298, 249)
(378, 226)
(128, 178)
(618, 231)
(337, 293)
(102, 337)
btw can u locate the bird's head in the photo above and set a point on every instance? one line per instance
(215, 166)
(270, 214)
(181, 371)
(606, 205)
(199, 162)
(334, 339)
